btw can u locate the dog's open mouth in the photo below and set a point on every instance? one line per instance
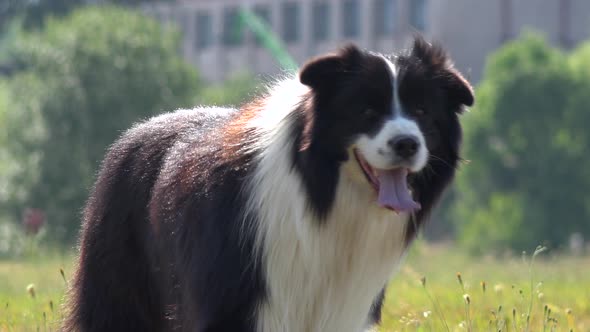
(391, 186)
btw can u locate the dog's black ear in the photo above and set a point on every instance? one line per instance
(431, 55)
(459, 88)
(436, 59)
(322, 71)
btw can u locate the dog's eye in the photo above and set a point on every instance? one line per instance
(420, 111)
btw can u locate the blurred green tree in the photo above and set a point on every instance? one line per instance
(235, 91)
(526, 141)
(86, 78)
(34, 12)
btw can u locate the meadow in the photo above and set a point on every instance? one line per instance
(437, 289)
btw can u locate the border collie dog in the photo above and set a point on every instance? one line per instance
(289, 214)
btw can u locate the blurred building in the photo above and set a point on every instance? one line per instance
(472, 29)
(469, 29)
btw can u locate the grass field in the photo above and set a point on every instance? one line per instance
(560, 298)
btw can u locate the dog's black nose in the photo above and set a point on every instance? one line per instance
(404, 146)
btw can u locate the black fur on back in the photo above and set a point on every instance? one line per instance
(161, 210)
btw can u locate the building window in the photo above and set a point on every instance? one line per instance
(321, 21)
(384, 17)
(232, 28)
(183, 22)
(263, 13)
(351, 13)
(204, 30)
(291, 17)
(162, 16)
(418, 14)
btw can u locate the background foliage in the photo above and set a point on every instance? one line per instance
(233, 92)
(73, 87)
(71, 84)
(84, 79)
(527, 142)
(34, 12)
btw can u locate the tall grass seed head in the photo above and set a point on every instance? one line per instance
(467, 298)
(31, 290)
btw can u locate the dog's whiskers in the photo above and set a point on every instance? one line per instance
(441, 160)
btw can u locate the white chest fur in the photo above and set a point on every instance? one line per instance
(322, 277)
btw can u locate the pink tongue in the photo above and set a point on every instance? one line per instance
(393, 190)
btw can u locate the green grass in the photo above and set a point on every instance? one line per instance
(560, 298)
(560, 283)
(19, 310)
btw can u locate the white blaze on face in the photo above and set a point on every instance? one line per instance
(378, 149)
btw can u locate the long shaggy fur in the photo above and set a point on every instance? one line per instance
(262, 219)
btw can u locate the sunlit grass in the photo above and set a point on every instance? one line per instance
(437, 289)
(31, 293)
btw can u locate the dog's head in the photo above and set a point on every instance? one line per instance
(393, 115)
